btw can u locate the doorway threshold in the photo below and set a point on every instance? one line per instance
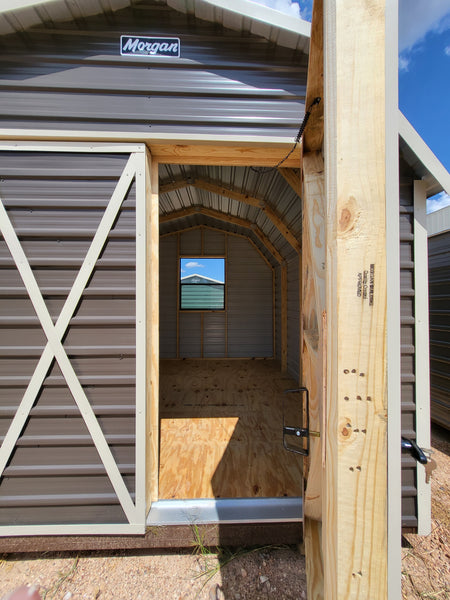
(225, 510)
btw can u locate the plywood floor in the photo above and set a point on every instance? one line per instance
(221, 430)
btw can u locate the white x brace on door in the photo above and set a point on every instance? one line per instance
(132, 501)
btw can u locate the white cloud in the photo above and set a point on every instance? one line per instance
(437, 202)
(403, 63)
(447, 50)
(285, 6)
(194, 265)
(417, 18)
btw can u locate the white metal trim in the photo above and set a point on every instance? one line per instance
(13, 136)
(422, 360)
(423, 153)
(85, 529)
(54, 334)
(80, 146)
(141, 331)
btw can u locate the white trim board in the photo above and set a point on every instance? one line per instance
(437, 177)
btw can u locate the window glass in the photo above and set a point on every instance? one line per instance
(202, 283)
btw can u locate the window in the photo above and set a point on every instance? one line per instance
(202, 283)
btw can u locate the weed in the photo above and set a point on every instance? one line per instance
(63, 577)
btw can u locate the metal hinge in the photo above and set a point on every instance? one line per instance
(296, 431)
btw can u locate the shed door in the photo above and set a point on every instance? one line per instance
(72, 339)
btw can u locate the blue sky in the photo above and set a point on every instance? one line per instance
(424, 70)
(208, 267)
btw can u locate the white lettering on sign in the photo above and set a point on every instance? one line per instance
(145, 46)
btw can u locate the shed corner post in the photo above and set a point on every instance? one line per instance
(355, 528)
(152, 327)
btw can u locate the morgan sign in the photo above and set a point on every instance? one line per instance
(131, 45)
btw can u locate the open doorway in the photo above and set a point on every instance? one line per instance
(229, 343)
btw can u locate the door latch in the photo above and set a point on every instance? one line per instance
(422, 455)
(415, 450)
(295, 430)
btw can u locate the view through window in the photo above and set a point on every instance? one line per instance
(202, 283)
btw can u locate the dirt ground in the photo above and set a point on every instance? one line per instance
(264, 573)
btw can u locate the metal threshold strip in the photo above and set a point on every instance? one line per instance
(226, 511)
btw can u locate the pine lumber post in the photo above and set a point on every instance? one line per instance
(354, 534)
(152, 268)
(313, 306)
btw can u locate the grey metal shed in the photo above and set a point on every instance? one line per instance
(120, 410)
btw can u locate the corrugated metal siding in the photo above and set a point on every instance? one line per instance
(168, 302)
(439, 289)
(214, 339)
(278, 312)
(245, 328)
(407, 313)
(74, 78)
(190, 334)
(249, 301)
(293, 318)
(56, 201)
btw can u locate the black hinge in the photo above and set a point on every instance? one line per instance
(296, 431)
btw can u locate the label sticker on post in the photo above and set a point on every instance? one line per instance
(132, 45)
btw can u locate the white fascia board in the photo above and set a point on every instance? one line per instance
(435, 168)
(438, 221)
(19, 4)
(258, 12)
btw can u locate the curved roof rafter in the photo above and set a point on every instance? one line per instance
(216, 188)
(220, 216)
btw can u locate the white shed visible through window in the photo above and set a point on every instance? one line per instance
(202, 283)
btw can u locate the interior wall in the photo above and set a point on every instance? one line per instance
(293, 317)
(245, 328)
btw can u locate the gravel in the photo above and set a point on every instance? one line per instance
(261, 574)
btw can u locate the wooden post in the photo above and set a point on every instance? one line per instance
(354, 535)
(152, 211)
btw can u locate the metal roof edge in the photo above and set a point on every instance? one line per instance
(438, 221)
(280, 28)
(437, 177)
(267, 15)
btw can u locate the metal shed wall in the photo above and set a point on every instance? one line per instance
(55, 203)
(249, 301)
(439, 290)
(408, 349)
(73, 77)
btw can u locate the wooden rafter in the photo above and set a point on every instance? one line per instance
(262, 205)
(293, 178)
(225, 231)
(215, 214)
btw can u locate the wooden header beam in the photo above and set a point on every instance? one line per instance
(202, 154)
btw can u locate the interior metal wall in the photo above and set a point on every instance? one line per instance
(245, 328)
(74, 78)
(439, 290)
(168, 301)
(293, 317)
(55, 202)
